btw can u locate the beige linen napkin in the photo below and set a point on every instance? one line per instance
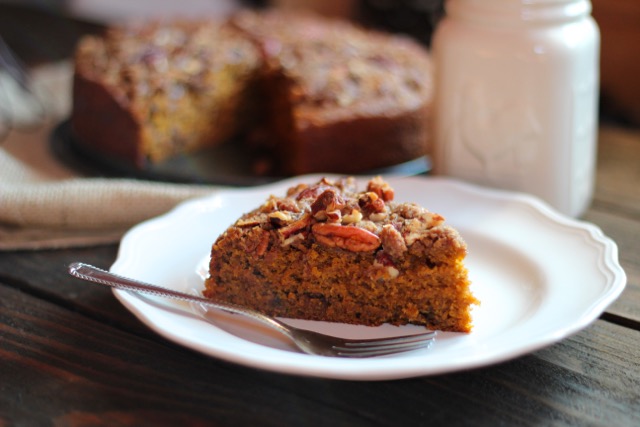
(43, 204)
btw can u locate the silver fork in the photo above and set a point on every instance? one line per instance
(308, 341)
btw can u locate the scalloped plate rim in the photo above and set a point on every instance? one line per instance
(458, 351)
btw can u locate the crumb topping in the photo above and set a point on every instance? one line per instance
(337, 64)
(170, 57)
(335, 214)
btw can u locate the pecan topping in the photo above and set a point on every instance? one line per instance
(354, 216)
(279, 218)
(370, 203)
(414, 229)
(275, 204)
(378, 216)
(295, 226)
(409, 210)
(328, 201)
(381, 188)
(287, 205)
(348, 184)
(327, 206)
(311, 192)
(351, 238)
(251, 221)
(432, 219)
(392, 241)
(296, 190)
(333, 216)
(424, 219)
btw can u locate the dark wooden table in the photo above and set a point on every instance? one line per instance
(71, 355)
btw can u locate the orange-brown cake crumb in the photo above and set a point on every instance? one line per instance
(330, 252)
(150, 91)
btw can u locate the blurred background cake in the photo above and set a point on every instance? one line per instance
(620, 90)
(322, 94)
(340, 98)
(145, 93)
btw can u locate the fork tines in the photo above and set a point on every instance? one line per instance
(385, 346)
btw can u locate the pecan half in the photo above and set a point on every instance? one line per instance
(392, 241)
(329, 200)
(351, 238)
(296, 226)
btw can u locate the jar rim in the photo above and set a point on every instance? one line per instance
(517, 11)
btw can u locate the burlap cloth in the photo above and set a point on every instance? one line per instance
(44, 204)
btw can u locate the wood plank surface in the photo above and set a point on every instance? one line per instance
(43, 274)
(71, 351)
(76, 370)
(72, 355)
(616, 207)
(618, 171)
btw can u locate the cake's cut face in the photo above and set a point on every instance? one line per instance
(156, 90)
(331, 252)
(330, 80)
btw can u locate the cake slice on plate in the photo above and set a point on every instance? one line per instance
(331, 252)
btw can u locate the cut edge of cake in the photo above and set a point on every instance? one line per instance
(330, 252)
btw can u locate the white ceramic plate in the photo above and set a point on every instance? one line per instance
(540, 277)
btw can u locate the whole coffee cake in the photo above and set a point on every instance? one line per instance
(331, 252)
(308, 93)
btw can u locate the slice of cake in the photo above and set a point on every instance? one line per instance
(330, 252)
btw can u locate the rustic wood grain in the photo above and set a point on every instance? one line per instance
(72, 355)
(43, 274)
(616, 207)
(618, 170)
(75, 370)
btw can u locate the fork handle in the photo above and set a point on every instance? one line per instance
(96, 275)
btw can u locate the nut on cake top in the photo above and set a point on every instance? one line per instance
(335, 213)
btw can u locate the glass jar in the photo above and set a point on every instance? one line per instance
(516, 97)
